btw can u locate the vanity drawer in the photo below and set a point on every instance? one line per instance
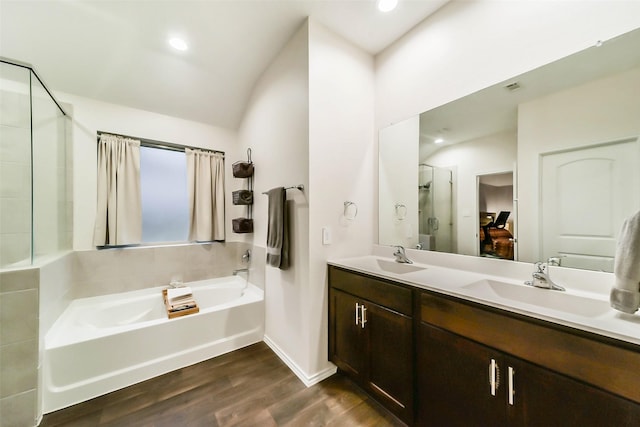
(384, 293)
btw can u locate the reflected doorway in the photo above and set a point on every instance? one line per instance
(496, 216)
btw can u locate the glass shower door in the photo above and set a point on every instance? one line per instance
(435, 208)
(15, 167)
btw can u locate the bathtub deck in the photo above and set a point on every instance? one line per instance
(248, 387)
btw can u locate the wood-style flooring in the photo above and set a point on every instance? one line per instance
(247, 387)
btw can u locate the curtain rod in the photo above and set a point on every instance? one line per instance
(160, 144)
(297, 187)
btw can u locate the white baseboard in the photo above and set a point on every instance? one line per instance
(308, 380)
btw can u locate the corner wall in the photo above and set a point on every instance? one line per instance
(276, 127)
(310, 121)
(342, 167)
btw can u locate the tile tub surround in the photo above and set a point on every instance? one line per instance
(18, 346)
(106, 271)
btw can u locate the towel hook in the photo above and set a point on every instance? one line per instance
(401, 211)
(347, 205)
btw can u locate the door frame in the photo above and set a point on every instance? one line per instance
(514, 206)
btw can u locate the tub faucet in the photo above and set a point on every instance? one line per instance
(401, 256)
(541, 278)
(240, 270)
(176, 284)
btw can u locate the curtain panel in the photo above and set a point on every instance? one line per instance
(119, 207)
(205, 179)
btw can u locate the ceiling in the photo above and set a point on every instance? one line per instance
(117, 51)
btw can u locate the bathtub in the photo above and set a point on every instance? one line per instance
(105, 343)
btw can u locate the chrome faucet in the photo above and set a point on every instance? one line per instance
(240, 270)
(541, 278)
(401, 256)
(175, 283)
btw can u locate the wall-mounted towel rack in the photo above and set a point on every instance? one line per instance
(297, 187)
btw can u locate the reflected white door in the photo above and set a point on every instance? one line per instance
(586, 194)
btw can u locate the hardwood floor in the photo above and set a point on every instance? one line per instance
(248, 387)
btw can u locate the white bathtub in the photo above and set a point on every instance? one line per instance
(105, 343)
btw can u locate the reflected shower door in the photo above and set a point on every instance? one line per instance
(435, 208)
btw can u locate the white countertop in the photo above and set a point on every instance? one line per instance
(583, 306)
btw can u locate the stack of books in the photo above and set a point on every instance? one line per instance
(179, 299)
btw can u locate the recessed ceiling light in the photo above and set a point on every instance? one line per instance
(438, 141)
(178, 43)
(387, 5)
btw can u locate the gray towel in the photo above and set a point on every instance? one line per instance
(625, 294)
(278, 229)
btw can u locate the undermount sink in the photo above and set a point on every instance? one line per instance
(397, 267)
(554, 300)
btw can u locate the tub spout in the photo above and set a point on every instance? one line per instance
(240, 270)
(176, 284)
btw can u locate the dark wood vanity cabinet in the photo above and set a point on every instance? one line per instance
(463, 382)
(436, 360)
(371, 337)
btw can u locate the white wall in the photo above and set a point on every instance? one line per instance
(605, 110)
(310, 121)
(342, 165)
(398, 147)
(487, 155)
(276, 127)
(467, 46)
(90, 116)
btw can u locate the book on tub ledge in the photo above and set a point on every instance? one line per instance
(179, 301)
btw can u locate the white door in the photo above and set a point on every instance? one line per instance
(586, 194)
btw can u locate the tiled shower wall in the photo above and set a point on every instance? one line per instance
(32, 299)
(15, 166)
(19, 347)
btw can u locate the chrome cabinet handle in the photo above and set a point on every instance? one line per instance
(363, 315)
(494, 376)
(357, 310)
(512, 391)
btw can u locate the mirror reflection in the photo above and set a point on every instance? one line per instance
(546, 164)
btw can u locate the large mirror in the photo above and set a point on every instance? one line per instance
(546, 164)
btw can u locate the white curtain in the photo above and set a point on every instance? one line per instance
(205, 171)
(119, 211)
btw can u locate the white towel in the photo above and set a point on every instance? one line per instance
(625, 294)
(175, 294)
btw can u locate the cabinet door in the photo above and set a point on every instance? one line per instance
(390, 353)
(545, 398)
(347, 339)
(454, 386)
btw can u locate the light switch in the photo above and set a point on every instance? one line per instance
(326, 235)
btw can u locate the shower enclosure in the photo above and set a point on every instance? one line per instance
(435, 216)
(35, 173)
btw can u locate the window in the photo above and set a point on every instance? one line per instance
(157, 192)
(165, 201)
